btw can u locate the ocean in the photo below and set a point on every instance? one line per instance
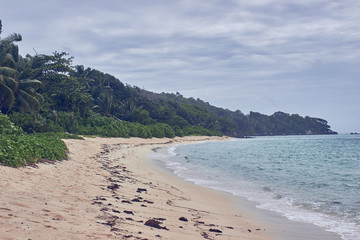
(310, 179)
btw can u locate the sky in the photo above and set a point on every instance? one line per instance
(298, 56)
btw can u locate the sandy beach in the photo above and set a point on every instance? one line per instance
(108, 190)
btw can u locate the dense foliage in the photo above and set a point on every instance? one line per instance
(176, 110)
(18, 148)
(46, 93)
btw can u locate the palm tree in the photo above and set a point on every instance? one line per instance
(26, 97)
(16, 86)
(103, 97)
(98, 86)
(7, 72)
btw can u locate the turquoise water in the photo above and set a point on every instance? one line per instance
(313, 179)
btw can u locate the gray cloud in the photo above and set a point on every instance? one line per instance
(265, 55)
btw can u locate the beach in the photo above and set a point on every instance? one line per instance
(107, 189)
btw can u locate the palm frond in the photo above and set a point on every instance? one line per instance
(34, 105)
(24, 106)
(39, 96)
(7, 71)
(26, 83)
(24, 67)
(11, 83)
(8, 61)
(7, 97)
(15, 37)
(15, 52)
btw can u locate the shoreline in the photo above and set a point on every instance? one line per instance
(276, 225)
(108, 189)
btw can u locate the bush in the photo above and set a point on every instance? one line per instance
(138, 130)
(104, 126)
(199, 131)
(178, 131)
(24, 149)
(8, 127)
(30, 124)
(160, 130)
(69, 121)
(18, 148)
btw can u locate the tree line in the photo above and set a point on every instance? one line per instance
(47, 93)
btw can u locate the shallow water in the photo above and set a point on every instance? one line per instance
(312, 179)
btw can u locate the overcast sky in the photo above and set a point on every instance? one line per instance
(295, 56)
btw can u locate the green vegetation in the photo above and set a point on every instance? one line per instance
(18, 148)
(47, 94)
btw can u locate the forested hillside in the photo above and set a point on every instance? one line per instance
(47, 93)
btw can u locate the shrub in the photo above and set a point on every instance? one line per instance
(24, 149)
(160, 130)
(30, 124)
(178, 131)
(199, 131)
(8, 127)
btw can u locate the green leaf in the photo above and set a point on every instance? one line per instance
(7, 71)
(7, 97)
